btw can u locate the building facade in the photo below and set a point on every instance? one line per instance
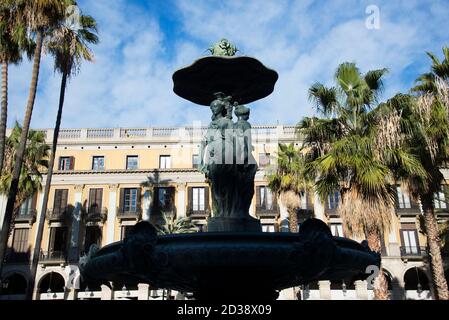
(106, 180)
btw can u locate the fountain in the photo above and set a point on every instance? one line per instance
(234, 259)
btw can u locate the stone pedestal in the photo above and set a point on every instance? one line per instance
(361, 290)
(222, 224)
(106, 293)
(144, 291)
(325, 289)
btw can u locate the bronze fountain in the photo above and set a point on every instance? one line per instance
(234, 257)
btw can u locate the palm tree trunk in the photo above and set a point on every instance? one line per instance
(433, 244)
(380, 283)
(4, 112)
(41, 222)
(21, 150)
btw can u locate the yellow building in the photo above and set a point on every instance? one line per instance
(97, 194)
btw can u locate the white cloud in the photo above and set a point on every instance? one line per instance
(130, 83)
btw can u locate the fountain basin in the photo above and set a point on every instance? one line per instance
(225, 265)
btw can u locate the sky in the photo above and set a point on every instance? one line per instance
(143, 42)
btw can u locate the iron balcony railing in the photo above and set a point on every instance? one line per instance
(17, 257)
(129, 213)
(192, 213)
(58, 214)
(413, 251)
(53, 256)
(25, 215)
(267, 211)
(97, 214)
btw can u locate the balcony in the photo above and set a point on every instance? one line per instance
(17, 257)
(332, 213)
(96, 215)
(129, 213)
(53, 257)
(58, 214)
(25, 216)
(412, 253)
(264, 211)
(198, 214)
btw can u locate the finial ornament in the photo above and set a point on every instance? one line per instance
(223, 48)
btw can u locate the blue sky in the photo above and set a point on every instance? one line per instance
(144, 41)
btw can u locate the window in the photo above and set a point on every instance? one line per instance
(198, 199)
(93, 236)
(265, 198)
(264, 159)
(165, 198)
(337, 229)
(195, 161)
(98, 163)
(20, 241)
(268, 228)
(334, 198)
(125, 231)
(164, 162)
(66, 163)
(439, 200)
(60, 201)
(26, 207)
(403, 199)
(132, 162)
(410, 241)
(58, 239)
(130, 200)
(95, 200)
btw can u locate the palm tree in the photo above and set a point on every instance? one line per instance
(349, 153)
(425, 122)
(35, 161)
(440, 69)
(13, 41)
(69, 46)
(40, 17)
(287, 180)
(172, 225)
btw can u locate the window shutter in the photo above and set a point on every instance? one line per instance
(59, 164)
(72, 163)
(122, 199)
(57, 199)
(34, 201)
(64, 198)
(206, 198)
(190, 199)
(99, 199)
(258, 197)
(156, 198)
(52, 239)
(138, 205)
(91, 200)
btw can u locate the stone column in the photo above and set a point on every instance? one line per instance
(318, 207)
(361, 290)
(397, 290)
(112, 211)
(39, 202)
(181, 207)
(76, 220)
(147, 198)
(3, 200)
(144, 291)
(325, 289)
(106, 293)
(283, 225)
(394, 248)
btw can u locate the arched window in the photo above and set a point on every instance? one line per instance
(53, 282)
(413, 276)
(14, 284)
